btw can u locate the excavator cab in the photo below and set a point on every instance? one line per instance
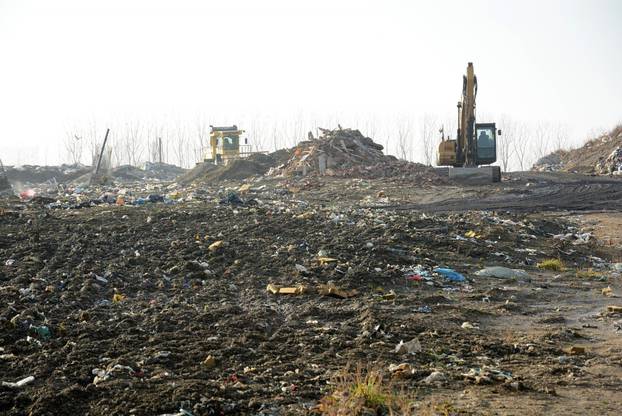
(486, 143)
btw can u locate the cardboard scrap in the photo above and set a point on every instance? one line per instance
(278, 290)
(215, 245)
(331, 290)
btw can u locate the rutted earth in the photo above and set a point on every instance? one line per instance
(147, 310)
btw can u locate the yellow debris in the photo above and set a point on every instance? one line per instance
(331, 290)
(575, 350)
(275, 289)
(118, 297)
(209, 362)
(326, 260)
(215, 246)
(472, 234)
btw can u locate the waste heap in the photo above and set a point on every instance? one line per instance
(346, 153)
(612, 165)
(549, 163)
(601, 155)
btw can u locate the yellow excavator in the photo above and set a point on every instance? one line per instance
(475, 144)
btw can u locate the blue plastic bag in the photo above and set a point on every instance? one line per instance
(450, 274)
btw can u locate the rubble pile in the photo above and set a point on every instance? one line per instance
(345, 153)
(601, 156)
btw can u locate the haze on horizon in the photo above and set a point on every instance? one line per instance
(72, 65)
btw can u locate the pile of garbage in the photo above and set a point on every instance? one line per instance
(601, 156)
(612, 165)
(345, 153)
(549, 163)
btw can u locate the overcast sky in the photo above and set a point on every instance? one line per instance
(68, 62)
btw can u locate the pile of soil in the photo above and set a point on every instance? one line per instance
(33, 174)
(235, 169)
(129, 173)
(602, 156)
(254, 165)
(163, 171)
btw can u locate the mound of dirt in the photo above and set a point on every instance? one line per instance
(33, 174)
(129, 173)
(256, 164)
(602, 156)
(234, 169)
(163, 171)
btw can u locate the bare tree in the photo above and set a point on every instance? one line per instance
(560, 136)
(370, 127)
(74, 145)
(541, 139)
(202, 142)
(116, 146)
(505, 143)
(520, 144)
(428, 133)
(133, 144)
(92, 142)
(403, 137)
(276, 137)
(180, 146)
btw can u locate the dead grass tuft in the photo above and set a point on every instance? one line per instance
(363, 391)
(555, 265)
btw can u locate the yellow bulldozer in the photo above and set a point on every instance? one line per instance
(225, 144)
(475, 145)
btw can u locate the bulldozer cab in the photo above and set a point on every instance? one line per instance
(486, 143)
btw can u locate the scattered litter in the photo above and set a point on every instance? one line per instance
(209, 362)
(18, 384)
(330, 289)
(411, 347)
(402, 370)
(575, 350)
(215, 245)
(275, 289)
(502, 273)
(435, 377)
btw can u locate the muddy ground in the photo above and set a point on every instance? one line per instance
(116, 310)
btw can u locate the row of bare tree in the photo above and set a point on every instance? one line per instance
(184, 144)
